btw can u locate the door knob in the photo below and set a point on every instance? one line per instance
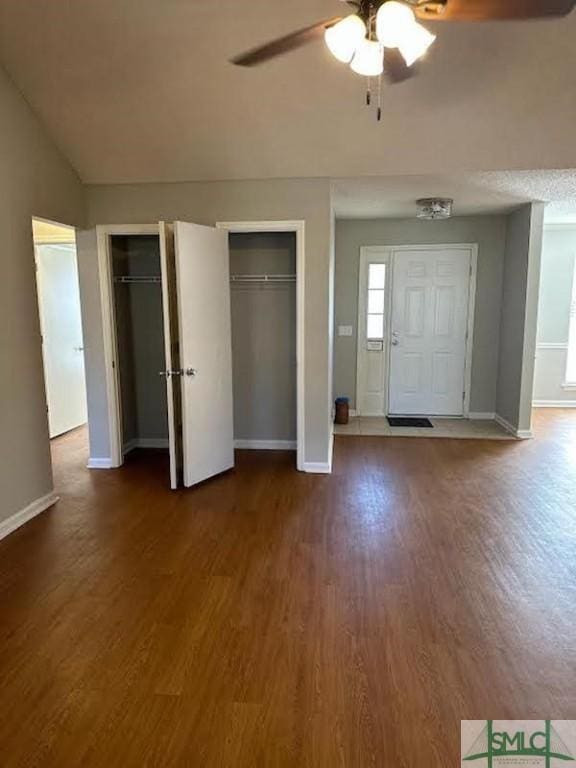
(395, 340)
(191, 371)
(78, 349)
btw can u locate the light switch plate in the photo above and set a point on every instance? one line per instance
(344, 330)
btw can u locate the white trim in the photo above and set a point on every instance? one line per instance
(318, 467)
(521, 434)
(569, 386)
(266, 445)
(524, 434)
(103, 234)
(552, 345)
(481, 416)
(19, 518)
(145, 442)
(554, 403)
(470, 328)
(101, 463)
(299, 227)
(322, 467)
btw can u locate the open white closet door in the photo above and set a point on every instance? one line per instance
(171, 350)
(203, 289)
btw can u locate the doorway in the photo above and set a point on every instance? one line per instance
(263, 306)
(286, 272)
(415, 330)
(60, 325)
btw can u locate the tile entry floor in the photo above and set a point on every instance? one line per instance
(457, 429)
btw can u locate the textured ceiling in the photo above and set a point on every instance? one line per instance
(473, 193)
(141, 90)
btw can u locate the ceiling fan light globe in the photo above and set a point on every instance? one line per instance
(344, 37)
(368, 59)
(415, 42)
(393, 22)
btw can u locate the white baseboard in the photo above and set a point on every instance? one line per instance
(145, 442)
(21, 517)
(153, 442)
(481, 416)
(554, 403)
(266, 445)
(521, 434)
(317, 467)
(100, 463)
(321, 467)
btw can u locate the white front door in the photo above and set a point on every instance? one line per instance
(430, 299)
(61, 328)
(372, 352)
(203, 288)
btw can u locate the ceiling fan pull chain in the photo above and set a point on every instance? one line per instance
(379, 110)
(368, 91)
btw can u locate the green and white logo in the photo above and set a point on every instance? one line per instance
(517, 743)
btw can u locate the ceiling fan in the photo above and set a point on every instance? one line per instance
(384, 37)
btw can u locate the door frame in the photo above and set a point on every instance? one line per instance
(112, 372)
(390, 250)
(367, 254)
(299, 227)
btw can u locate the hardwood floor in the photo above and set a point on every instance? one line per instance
(273, 619)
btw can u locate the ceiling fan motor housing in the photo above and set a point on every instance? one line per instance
(425, 8)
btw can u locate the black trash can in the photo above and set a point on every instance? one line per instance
(342, 410)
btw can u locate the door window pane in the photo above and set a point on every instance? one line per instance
(376, 302)
(376, 275)
(375, 327)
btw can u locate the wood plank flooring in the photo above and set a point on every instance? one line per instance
(274, 619)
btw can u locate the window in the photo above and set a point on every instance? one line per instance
(376, 301)
(571, 360)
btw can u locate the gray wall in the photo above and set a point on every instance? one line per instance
(519, 316)
(35, 180)
(207, 203)
(490, 234)
(556, 277)
(140, 339)
(264, 338)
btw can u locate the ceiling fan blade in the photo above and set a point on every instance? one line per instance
(283, 44)
(395, 68)
(487, 10)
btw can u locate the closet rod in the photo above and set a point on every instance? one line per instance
(262, 278)
(138, 279)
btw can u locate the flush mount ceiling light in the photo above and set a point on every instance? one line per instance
(431, 208)
(385, 37)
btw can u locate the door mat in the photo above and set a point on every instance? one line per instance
(405, 421)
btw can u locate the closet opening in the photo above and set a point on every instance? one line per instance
(263, 287)
(138, 326)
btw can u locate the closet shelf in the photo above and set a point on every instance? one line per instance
(138, 279)
(262, 278)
